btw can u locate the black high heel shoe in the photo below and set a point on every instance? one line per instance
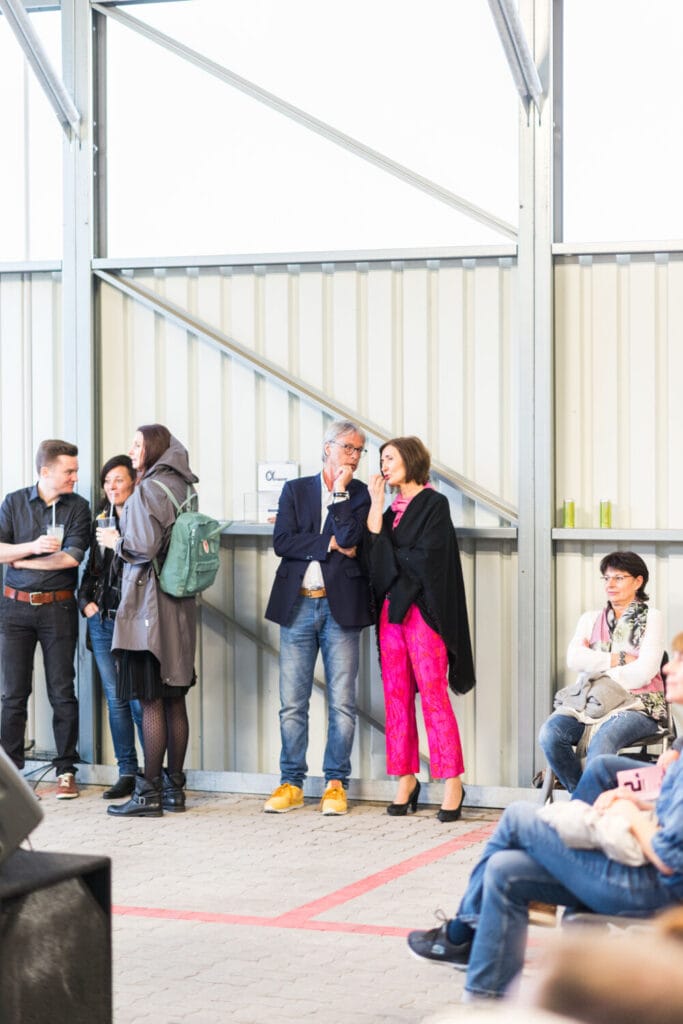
(444, 815)
(398, 810)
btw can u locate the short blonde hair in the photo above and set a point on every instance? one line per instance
(677, 643)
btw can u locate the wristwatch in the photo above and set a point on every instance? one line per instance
(340, 494)
(622, 657)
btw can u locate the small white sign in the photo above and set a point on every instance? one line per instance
(272, 476)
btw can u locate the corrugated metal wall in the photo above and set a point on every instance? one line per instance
(619, 420)
(425, 349)
(34, 390)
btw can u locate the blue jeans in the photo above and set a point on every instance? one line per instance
(122, 713)
(526, 860)
(55, 627)
(601, 774)
(314, 629)
(560, 733)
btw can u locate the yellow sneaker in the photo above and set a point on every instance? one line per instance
(285, 798)
(334, 799)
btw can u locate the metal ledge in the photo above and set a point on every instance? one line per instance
(613, 534)
(239, 529)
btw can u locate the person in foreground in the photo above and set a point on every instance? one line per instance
(608, 979)
(624, 641)
(422, 630)
(321, 600)
(525, 860)
(98, 599)
(44, 533)
(154, 634)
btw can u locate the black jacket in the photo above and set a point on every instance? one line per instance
(419, 563)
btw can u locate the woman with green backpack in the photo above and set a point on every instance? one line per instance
(155, 632)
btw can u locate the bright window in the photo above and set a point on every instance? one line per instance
(622, 127)
(31, 164)
(197, 167)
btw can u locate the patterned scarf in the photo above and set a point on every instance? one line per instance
(625, 634)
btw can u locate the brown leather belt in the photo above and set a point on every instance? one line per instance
(38, 596)
(317, 592)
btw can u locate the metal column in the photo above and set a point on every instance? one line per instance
(536, 489)
(77, 298)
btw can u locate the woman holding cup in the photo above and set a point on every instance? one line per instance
(154, 633)
(98, 599)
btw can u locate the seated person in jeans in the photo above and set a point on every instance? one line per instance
(625, 642)
(525, 861)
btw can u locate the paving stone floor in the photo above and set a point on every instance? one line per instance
(225, 913)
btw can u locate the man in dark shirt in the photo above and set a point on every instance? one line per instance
(38, 603)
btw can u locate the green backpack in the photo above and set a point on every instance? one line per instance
(192, 559)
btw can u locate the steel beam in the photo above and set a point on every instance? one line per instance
(536, 426)
(50, 82)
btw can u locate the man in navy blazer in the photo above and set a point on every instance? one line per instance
(321, 600)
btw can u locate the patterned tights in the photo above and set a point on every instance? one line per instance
(165, 727)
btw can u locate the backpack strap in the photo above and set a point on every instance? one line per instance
(178, 505)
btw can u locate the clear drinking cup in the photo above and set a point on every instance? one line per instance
(106, 523)
(56, 531)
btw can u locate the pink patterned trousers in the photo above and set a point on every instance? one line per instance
(414, 657)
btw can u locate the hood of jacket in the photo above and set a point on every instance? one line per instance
(176, 459)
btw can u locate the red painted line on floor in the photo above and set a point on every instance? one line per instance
(302, 917)
(390, 874)
(206, 917)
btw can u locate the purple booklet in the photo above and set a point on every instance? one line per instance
(646, 782)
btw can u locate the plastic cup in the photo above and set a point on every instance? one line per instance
(105, 523)
(56, 531)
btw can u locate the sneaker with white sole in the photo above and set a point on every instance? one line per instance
(285, 798)
(66, 787)
(435, 945)
(334, 799)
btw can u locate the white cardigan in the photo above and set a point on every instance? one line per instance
(637, 673)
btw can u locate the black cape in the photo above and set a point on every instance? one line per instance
(419, 563)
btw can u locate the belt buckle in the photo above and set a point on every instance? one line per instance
(32, 594)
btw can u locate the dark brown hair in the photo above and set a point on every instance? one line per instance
(416, 458)
(156, 438)
(50, 450)
(116, 460)
(631, 563)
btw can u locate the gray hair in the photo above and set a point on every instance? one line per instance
(338, 428)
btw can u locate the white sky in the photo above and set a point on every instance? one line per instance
(197, 168)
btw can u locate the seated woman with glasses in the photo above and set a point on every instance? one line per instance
(625, 642)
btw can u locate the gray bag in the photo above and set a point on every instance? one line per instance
(595, 696)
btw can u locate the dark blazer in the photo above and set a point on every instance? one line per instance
(298, 540)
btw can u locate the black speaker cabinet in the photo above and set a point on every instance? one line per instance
(55, 939)
(20, 811)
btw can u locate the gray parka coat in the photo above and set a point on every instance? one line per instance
(147, 619)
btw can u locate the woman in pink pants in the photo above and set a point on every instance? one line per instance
(423, 633)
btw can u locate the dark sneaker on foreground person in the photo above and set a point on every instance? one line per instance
(435, 945)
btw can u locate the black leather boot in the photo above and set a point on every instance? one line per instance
(173, 790)
(124, 786)
(144, 803)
